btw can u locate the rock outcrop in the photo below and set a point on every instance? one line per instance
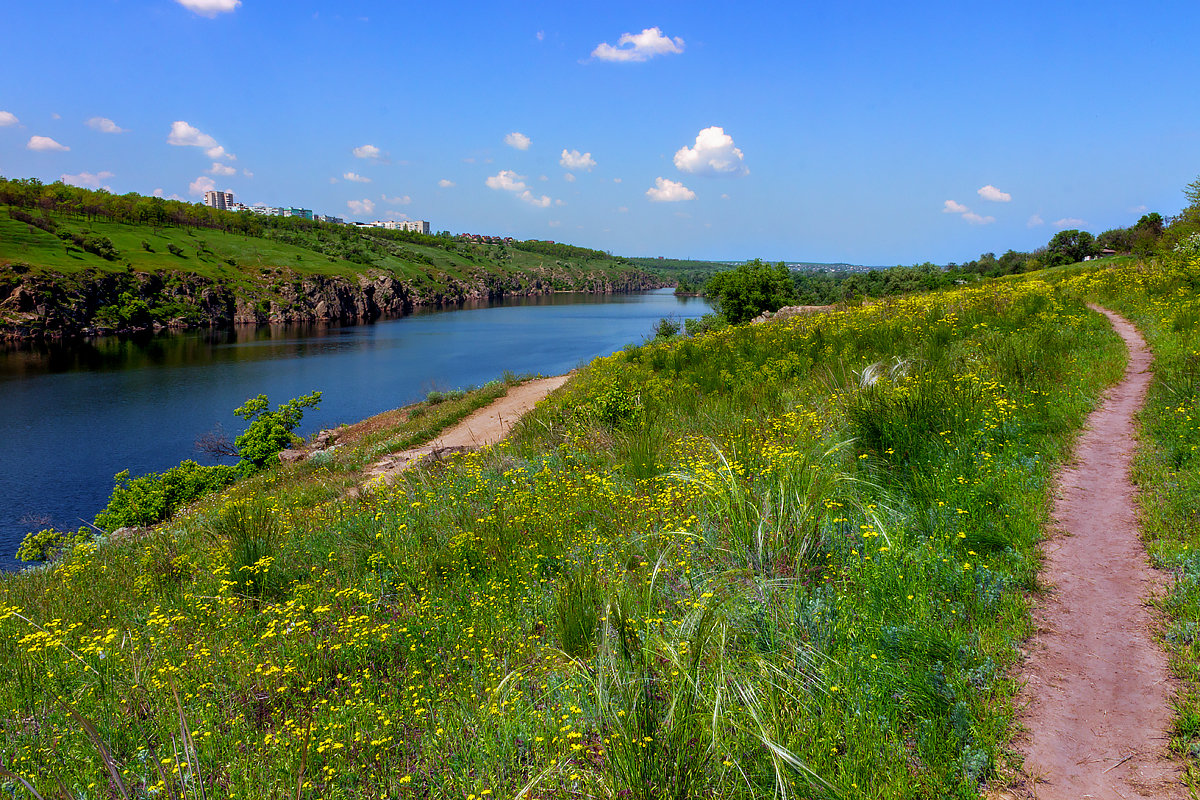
(40, 304)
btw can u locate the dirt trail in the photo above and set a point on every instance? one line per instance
(1098, 688)
(486, 426)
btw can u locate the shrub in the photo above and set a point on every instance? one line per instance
(175, 250)
(49, 544)
(151, 498)
(269, 431)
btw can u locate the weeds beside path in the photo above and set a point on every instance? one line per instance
(486, 426)
(1098, 690)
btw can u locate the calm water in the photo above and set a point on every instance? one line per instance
(77, 415)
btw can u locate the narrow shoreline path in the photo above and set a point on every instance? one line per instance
(1097, 715)
(484, 427)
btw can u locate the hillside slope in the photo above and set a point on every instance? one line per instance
(65, 272)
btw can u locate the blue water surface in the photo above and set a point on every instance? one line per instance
(77, 414)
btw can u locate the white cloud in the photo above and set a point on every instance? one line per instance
(573, 159)
(668, 191)
(560, 202)
(569, 178)
(554, 223)
(402, 200)
(724, 196)
(713, 154)
(56, 115)
(518, 141)
(507, 180)
(8, 118)
(247, 173)
(975, 219)
(445, 183)
(534, 200)
(184, 135)
(356, 178)
(105, 125)
(1034, 221)
(541, 35)
(221, 169)
(954, 207)
(990, 192)
(210, 8)
(87, 179)
(1138, 210)
(616, 180)
(623, 209)
(158, 192)
(1069, 222)
(201, 185)
(361, 207)
(45, 143)
(397, 215)
(641, 46)
(366, 151)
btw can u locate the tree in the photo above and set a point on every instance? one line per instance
(269, 431)
(1070, 246)
(742, 294)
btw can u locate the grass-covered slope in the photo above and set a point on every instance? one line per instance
(788, 559)
(66, 268)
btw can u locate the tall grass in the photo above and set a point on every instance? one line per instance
(697, 571)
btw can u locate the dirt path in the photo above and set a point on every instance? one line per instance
(486, 426)
(1098, 715)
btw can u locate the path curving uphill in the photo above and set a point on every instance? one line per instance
(1097, 689)
(487, 426)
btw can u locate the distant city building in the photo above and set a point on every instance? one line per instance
(221, 200)
(327, 218)
(415, 225)
(302, 213)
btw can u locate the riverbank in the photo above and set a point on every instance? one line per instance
(702, 567)
(64, 274)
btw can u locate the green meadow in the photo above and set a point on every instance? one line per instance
(793, 559)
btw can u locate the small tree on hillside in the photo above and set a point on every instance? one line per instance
(270, 431)
(742, 294)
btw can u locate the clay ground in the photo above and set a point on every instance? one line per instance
(486, 426)
(1097, 718)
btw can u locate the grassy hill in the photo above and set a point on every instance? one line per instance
(68, 254)
(787, 558)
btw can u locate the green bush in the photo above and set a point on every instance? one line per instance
(49, 544)
(269, 431)
(151, 498)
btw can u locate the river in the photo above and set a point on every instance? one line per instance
(76, 414)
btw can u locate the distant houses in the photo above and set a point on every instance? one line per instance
(225, 202)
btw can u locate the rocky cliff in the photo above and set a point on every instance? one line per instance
(53, 305)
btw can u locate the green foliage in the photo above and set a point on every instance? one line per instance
(269, 431)
(151, 498)
(577, 613)
(667, 328)
(615, 406)
(742, 294)
(249, 534)
(49, 544)
(130, 309)
(1071, 246)
(175, 250)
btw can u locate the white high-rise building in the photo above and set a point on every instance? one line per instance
(221, 200)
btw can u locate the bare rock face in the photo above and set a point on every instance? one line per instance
(292, 456)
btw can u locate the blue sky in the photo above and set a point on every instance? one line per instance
(863, 132)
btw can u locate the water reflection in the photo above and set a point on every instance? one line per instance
(79, 412)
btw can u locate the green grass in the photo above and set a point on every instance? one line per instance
(718, 567)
